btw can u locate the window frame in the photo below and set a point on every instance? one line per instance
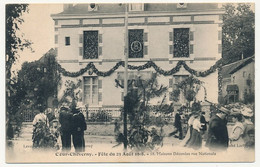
(192, 42)
(173, 42)
(96, 103)
(84, 46)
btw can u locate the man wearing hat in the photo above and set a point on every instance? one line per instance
(217, 133)
(78, 127)
(65, 119)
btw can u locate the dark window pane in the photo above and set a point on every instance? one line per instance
(181, 42)
(90, 45)
(136, 43)
(67, 41)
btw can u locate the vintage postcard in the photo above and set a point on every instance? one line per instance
(130, 82)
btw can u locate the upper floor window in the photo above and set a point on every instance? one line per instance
(181, 42)
(136, 7)
(136, 43)
(90, 45)
(67, 41)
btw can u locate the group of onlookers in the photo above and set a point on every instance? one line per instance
(72, 126)
(215, 132)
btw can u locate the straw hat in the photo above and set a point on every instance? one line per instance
(224, 110)
(247, 112)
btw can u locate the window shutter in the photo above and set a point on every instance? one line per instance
(170, 49)
(80, 51)
(191, 49)
(170, 82)
(99, 84)
(99, 50)
(170, 36)
(56, 39)
(145, 50)
(122, 96)
(100, 38)
(191, 35)
(80, 38)
(99, 96)
(220, 35)
(219, 48)
(145, 37)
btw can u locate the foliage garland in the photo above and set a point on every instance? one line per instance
(91, 67)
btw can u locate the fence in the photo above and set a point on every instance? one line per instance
(28, 115)
(101, 114)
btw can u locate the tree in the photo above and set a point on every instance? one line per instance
(140, 113)
(36, 82)
(14, 42)
(238, 32)
(189, 88)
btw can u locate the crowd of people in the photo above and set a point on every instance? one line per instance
(69, 125)
(215, 132)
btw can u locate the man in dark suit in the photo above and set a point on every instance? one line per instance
(78, 127)
(65, 119)
(203, 124)
(177, 125)
(217, 139)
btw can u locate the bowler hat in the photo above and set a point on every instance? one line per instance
(64, 108)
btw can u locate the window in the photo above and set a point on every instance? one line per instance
(136, 43)
(90, 90)
(90, 45)
(136, 7)
(181, 41)
(67, 41)
(178, 79)
(234, 79)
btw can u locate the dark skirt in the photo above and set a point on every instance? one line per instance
(195, 141)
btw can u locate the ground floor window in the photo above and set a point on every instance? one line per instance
(90, 90)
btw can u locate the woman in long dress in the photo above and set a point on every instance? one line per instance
(236, 135)
(40, 129)
(186, 140)
(195, 141)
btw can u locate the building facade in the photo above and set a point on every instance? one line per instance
(239, 80)
(164, 33)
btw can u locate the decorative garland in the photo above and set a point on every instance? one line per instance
(220, 80)
(92, 68)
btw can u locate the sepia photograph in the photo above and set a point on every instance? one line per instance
(129, 82)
